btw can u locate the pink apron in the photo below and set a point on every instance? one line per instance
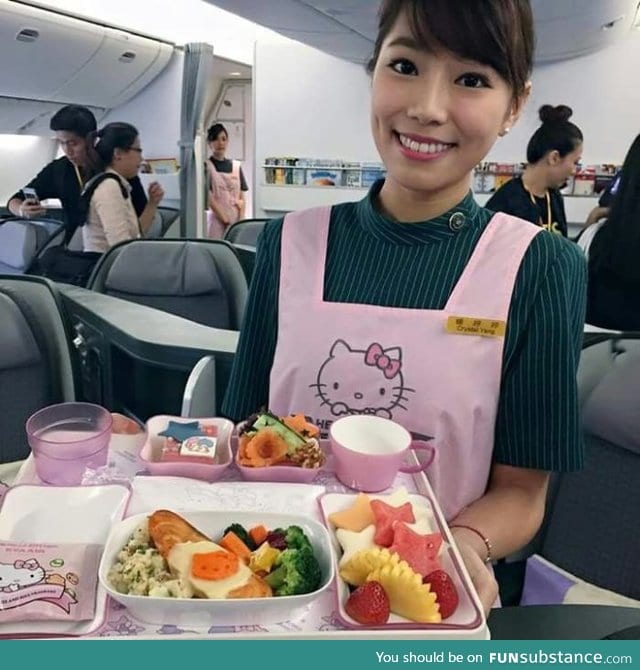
(333, 359)
(225, 188)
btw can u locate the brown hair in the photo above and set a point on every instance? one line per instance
(497, 33)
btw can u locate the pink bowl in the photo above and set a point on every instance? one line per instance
(210, 472)
(291, 474)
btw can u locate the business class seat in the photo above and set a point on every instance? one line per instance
(587, 529)
(591, 529)
(22, 240)
(35, 360)
(200, 280)
(245, 232)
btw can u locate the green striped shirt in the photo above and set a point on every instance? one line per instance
(417, 265)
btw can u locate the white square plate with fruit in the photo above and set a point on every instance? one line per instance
(396, 566)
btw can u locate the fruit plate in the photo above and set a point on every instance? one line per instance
(203, 612)
(467, 622)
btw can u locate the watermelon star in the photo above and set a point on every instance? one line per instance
(419, 551)
(385, 516)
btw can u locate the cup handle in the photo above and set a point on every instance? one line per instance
(421, 467)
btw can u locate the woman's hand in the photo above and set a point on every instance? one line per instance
(481, 576)
(156, 193)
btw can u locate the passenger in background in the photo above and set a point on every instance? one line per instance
(613, 251)
(604, 203)
(65, 177)
(553, 152)
(377, 307)
(227, 184)
(112, 217)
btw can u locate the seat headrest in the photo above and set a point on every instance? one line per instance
(18, 243)
(18, 347)
(612, 411)
(163, 269)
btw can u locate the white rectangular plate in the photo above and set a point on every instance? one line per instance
(201, 612)
(61, 514)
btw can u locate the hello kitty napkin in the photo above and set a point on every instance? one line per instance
(44, 582)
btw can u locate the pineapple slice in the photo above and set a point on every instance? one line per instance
(357, 568)
(408, 596)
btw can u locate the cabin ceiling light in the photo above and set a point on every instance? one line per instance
(28, 35)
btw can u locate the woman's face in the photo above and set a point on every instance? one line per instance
(127, 161)
(219, 145)
(434, 116)
(560, 168)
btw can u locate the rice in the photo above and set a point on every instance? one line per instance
(140, 570)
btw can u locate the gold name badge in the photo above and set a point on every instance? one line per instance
(466, 325)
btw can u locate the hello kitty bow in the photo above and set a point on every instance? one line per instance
(29, 564)
(376, 357)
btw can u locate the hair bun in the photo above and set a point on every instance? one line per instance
(551, 114)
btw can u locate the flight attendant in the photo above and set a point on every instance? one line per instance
(375, 307)
(227, 185)
(553, 153)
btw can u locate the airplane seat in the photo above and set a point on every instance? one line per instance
(245, 232)
(35, 360)
(200, 280)
(199, 397)
(597, 359)
(164, 219)
(590, 526)
(21, 240)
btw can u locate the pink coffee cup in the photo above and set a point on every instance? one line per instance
(369, 450)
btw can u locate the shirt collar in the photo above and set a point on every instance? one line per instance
(455, 221)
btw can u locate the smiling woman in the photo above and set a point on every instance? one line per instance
(474, 320)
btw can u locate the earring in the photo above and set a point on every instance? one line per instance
(505, 131)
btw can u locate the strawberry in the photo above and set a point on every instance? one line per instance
(368, 604)
(446, 594)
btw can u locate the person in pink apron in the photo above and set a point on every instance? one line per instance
(418, 305)
(227, 184)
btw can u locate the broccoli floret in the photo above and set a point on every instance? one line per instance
(242, 534)
(297, 571)
(294, 538)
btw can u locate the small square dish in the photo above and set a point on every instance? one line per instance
(269, 448)
(79, 515)
(360, 550)
(183, 447)
(291, 474)
(192, 611)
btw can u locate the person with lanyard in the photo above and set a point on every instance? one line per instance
(553, 153)
(375, 307)
(227, 185)
(65, 177)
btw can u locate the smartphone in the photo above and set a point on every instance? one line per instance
(30, 195)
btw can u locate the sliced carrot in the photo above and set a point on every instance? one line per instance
(265, 448)
(299, 423)
(214, 565)
(235, 545)
(258, 534)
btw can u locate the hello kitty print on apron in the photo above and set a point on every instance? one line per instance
(432, 371)
(381, 389)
